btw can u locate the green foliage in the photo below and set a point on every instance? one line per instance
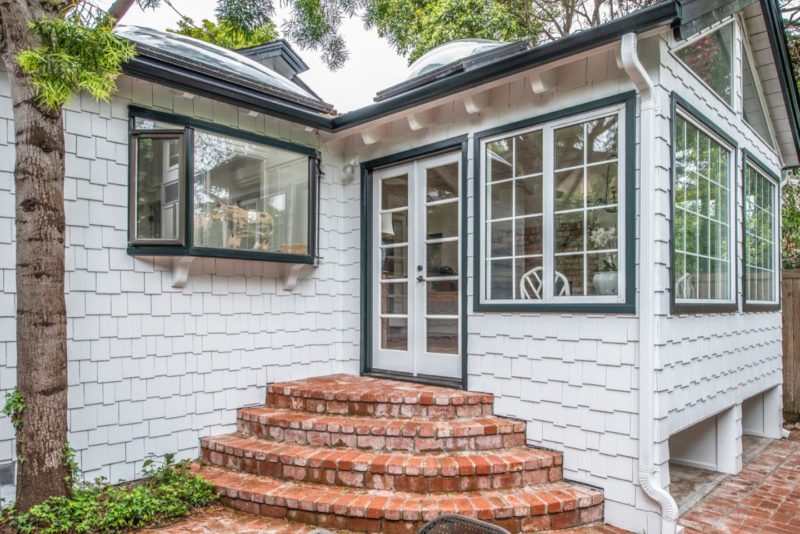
(415, 26)
(14, 407)
(168, 492)
(222, 35)
(245, 17)
(790, 224)
(71, 58)
(71, 464)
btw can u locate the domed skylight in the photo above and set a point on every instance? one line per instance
(448, 53)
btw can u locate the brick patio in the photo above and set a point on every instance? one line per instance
(220, 520)
(763, 498)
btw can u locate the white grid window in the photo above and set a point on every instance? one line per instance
(760, 223)
(702, 228)
(552, 198)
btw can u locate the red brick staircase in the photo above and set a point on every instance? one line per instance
(371, 455)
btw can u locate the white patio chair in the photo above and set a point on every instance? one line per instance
(531, 284)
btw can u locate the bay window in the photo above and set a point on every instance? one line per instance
(703, 232)
(200, 189)
(554, 201)
(760, 231)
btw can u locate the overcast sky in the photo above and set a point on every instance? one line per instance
(372, 66)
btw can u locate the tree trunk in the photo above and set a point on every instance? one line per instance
(41, 309)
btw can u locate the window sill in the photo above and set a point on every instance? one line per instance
(761, 307)
(703, 308)
(288, 267)
(561, 307)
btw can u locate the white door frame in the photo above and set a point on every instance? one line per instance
(416, 360)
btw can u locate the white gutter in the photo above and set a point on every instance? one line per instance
(648, 350)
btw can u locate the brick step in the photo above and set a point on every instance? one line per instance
(368, 433)
(554, 506)
(365, 396)
(400, 471)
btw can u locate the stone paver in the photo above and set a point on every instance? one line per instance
(763, 498)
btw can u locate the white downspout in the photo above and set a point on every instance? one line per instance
(648, 350)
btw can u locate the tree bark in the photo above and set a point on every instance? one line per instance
(40, 233)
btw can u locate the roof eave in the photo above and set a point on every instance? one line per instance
(184, 79)
(780, 53)
(660, 14)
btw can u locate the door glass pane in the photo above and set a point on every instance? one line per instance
(395, 262)
(442, 297)
(394, 334)
(394, 298)
(158, 188)
(442, 182)
(442, 259)
(442, 220)
(394, 227)
(394, 192)
(442, 335)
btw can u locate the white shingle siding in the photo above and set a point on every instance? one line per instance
(711, 362)
(153, 368)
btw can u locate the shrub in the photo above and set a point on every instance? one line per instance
(169, 491)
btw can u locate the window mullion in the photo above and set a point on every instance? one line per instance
(548, 218)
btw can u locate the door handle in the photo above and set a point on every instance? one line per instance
(420, 278)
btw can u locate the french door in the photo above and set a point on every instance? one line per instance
(416, 267)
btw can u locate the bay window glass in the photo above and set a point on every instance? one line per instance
(710, 58)
(254, 198)
(753, 110)
(249, 196)
(156, 207)
(702, 231)
(552, 205)
(760, 224)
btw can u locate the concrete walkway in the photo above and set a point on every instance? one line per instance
(764, 498)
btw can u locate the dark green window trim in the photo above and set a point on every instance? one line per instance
(753, 161)
(453, 144)
(188, 248)
(629, 305)
(710, 307)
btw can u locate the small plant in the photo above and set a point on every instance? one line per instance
(169, 491)
(14, 407)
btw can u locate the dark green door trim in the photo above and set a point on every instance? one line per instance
(367, 169)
